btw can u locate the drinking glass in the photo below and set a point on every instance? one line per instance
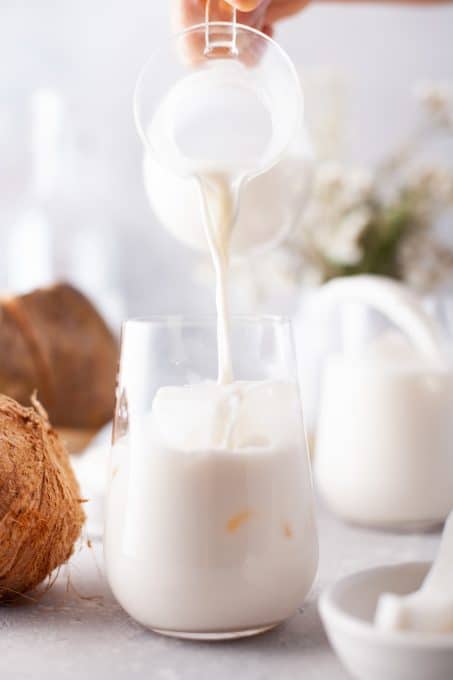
(206, 539)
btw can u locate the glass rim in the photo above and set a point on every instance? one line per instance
(196, 28)
(194, 320)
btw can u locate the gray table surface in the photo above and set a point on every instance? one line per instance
(77, 630)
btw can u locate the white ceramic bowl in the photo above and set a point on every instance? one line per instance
(347, 610)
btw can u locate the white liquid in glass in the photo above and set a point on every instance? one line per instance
(210, 520)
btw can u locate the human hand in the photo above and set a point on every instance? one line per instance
(260, 14)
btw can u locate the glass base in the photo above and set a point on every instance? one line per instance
(215, 637)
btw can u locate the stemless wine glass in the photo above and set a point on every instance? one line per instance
(222, 97)
(210, 529)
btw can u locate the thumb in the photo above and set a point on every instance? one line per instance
(246, 5)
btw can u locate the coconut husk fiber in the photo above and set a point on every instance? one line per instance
(40, 507)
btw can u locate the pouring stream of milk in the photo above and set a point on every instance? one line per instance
(220, 189)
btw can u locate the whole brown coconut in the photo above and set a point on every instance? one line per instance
(54, 341)
(40, 512)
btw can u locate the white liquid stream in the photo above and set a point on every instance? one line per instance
(218, 229)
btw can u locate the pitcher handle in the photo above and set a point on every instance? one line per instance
(395, 301)
(215, 8)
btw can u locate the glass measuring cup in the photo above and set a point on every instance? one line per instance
(223, 97)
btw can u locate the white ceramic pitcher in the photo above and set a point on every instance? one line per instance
(384, 446)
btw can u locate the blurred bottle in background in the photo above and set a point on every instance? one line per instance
(62, 229)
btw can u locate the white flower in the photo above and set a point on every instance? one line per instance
(354, 223)
(431, 182)
(344, 252)
(434, 96)
(341, 189)
(436, 100)
(340, 243)
(357, 190)
(330, 179)
(425, 262)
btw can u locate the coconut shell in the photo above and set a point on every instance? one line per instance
(40, 507)
(54, 341)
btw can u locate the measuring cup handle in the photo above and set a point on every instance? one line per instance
(219, 10)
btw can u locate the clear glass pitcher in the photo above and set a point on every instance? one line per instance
(224, 97)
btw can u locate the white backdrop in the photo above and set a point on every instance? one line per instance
(91, 51)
